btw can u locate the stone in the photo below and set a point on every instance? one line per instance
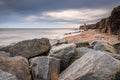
(4, 54)
(102, 46)
(117, 47)
(17, 66)
(94, 65)
(58, 42)
(29, 48)
(63, 52)
(79, 52)
(82, 44)
(45, 68)
(7, 76)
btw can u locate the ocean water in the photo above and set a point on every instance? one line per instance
(10, 36)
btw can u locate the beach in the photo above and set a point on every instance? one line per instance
(93, 35)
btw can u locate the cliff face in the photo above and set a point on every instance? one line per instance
(114, 21)
(109, 25)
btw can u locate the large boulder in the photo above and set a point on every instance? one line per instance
(7, 76)
(63, 52)
(45, 68)
(17, 66)
(102, 46)
(29, 48)
(94, 65)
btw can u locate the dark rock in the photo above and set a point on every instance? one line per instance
(4, 54)
(115, 21)
(29, 48)
(63, 52)
(7, 76)
(45, 68)
(17, 66)
(94, 65)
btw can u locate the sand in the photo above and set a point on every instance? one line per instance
(93, 35)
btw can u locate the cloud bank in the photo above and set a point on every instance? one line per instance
(70, 12)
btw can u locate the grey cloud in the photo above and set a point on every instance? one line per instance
(33, 6)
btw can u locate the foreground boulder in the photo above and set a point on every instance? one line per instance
(45, 68)
(102, 47)
(17, 66)
(29, 48)
(7, 76)
(93, 65)
(63, 52)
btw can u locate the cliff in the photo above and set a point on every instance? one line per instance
(109, 25)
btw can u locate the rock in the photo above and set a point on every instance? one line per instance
(114, 21)
(7, 76)
(117, 47)
(79, 52)
(102, 47)
(94, 65)
(58, 42)
(45, 68)
(63, 52)
(4, 54)
(29, 48)
(17, 66)
(82, 44)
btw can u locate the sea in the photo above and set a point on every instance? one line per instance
(12, 35)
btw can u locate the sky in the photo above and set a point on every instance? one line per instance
(53, 13)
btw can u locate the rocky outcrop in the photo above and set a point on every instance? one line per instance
(45, 68)
(63, 52)
(29, 48)
(89, 26)
(7, 76)
(109, 25)
(114, 21)
(94, 65)
(17, 66)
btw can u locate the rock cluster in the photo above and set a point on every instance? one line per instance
(66, 61)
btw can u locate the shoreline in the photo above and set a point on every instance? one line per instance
(93, 35)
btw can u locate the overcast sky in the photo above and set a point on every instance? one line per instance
(53, 13)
